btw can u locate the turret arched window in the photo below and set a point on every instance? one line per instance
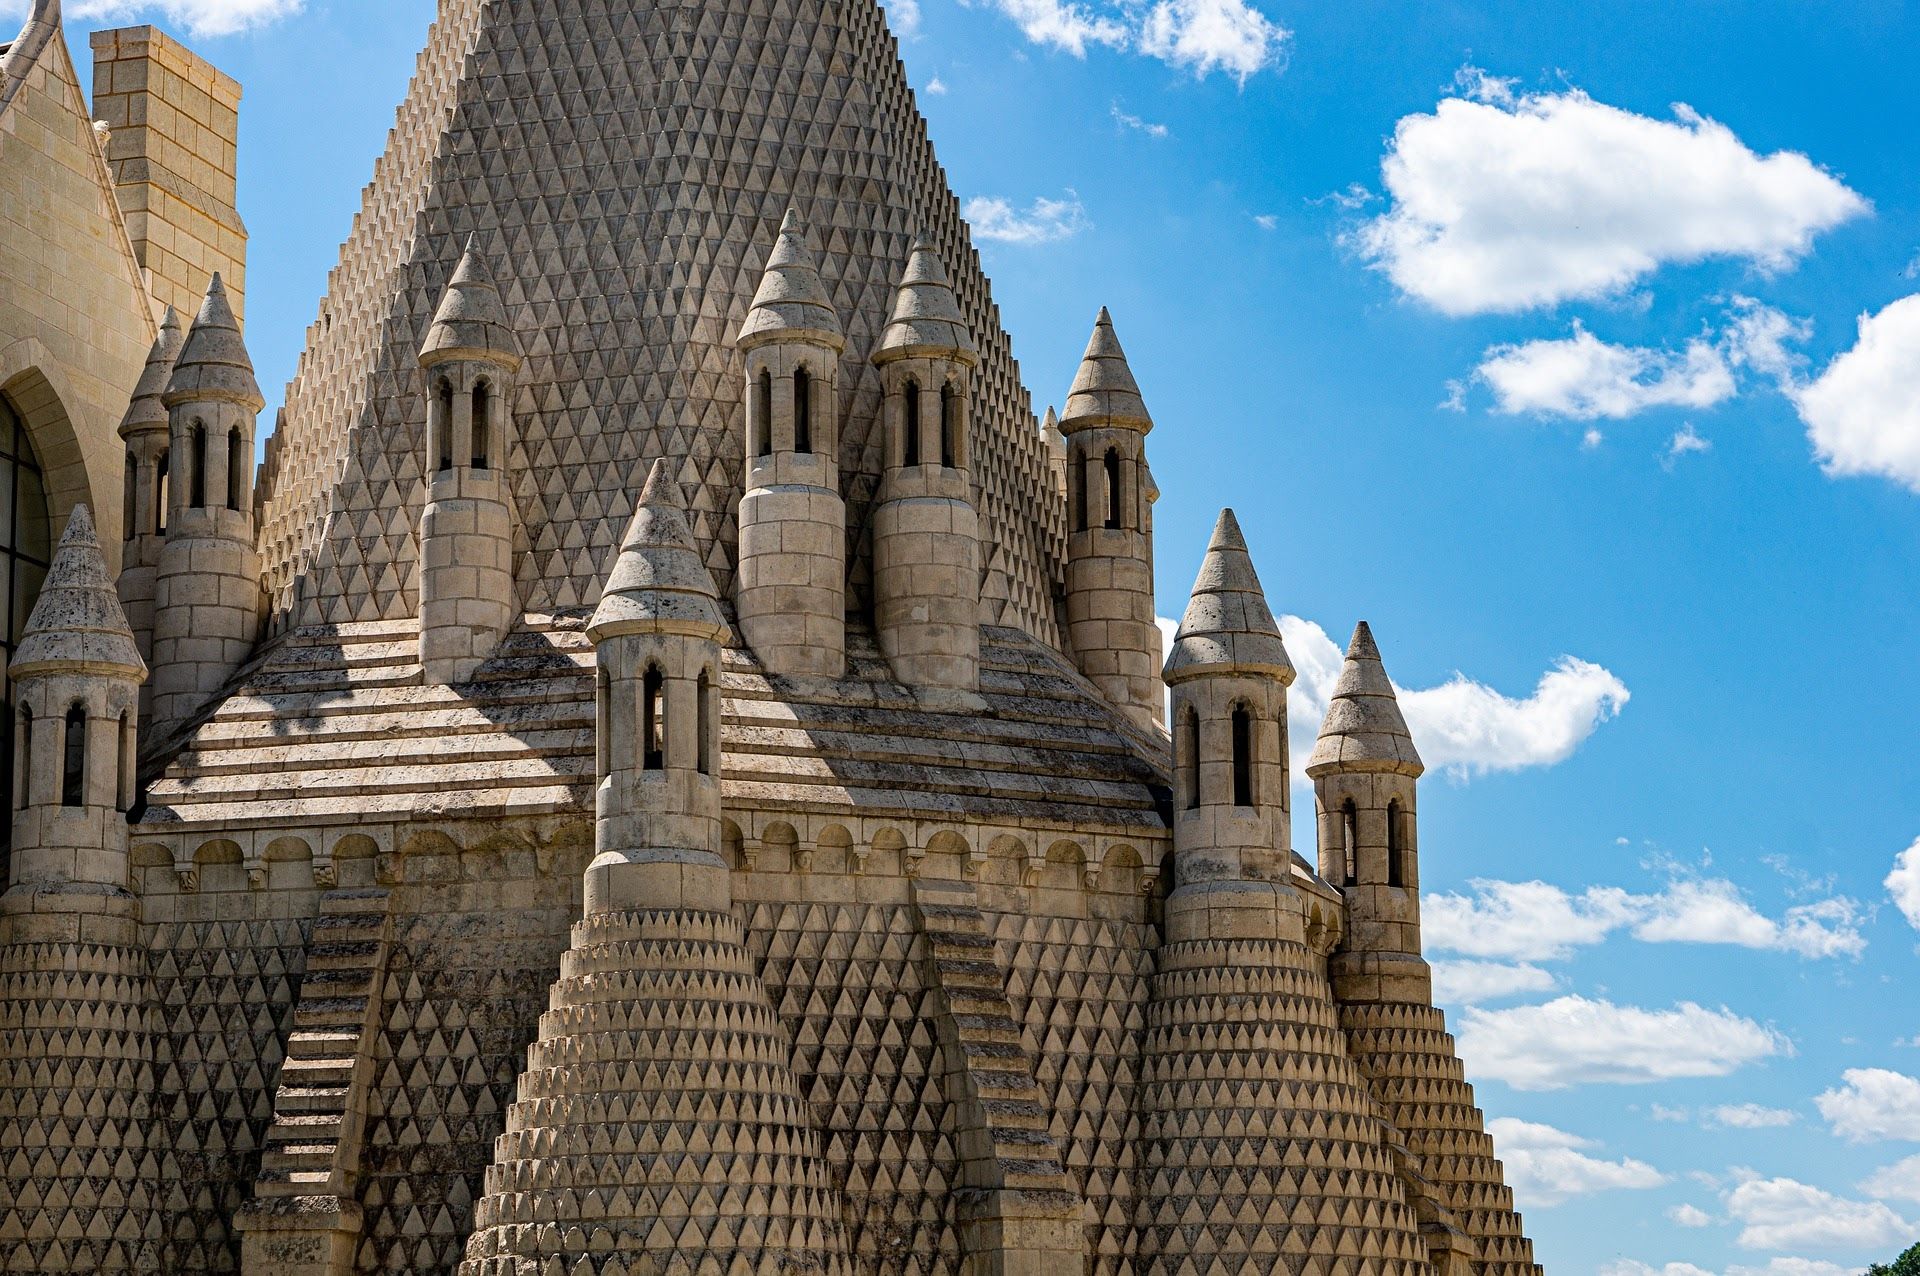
(1396, 850)
(124, 780)
(653, 721)
(1243, 794)
(73, 771)
(704, 762)
(1190, 768)
(949, 427)
(910, 443)
(1113, 488)
(802, 411)
(443, 427)
(760, 414)
(482, 423)
(236, 468)
(197, 467)
(1350, 851)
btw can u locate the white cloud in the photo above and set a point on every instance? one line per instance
(1873, 1104)
(1045, 220)
(904, 17)
(1685, 1215)
(1505, 202)
(1461, 726)
(1899, 1181)
(1863, 412)
(1749, 1116)
(1065, 26)
(1207, 35)
(1903, 884)
(1774, 1267)
(1266, 221)
(1781, 1213)
(1546, 1166)
(1536, 921)
(1576, 1040)
(1127, 120)
(1685, 440)
(937, 87)
(1469, 983)
(1584, 378)
(199, 17)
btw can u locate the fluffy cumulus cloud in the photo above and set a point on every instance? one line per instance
(1201, 36)
(1044, 221)
(1871, 1104)
(1748, 1116)
(1536, 921)
(1862, 412)
(1897, 1182)
(198, 17)
(1903, 884)
(1469, 983)
(1576, 1040)
(1462, 726)
(1502, 202)
(1782, 1214)
(1546, 1166)
(1689, 1215)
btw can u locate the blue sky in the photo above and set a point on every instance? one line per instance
(1564, 387)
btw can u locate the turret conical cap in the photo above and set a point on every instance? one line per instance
(1228, 628)
(658, 584)
(1104, 391)
(926, 320)
(471, 322)
(791, 303)
(77, 622)
(213, 365)
(1364, 730)
(148, 411)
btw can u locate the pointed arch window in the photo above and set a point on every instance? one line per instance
(949, 427)
(1113, 488)
(910, 451)
(443, 426)
(482, 423)
(761, 415)
(802, 411)
(197, 467)
(1243, 794)
(236, 468)
(1396, 849)
(73, 771)
(124, 780)
(653, 721)
(1190, 742)
(705, 698)
(1349, 848)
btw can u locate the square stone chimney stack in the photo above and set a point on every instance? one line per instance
(175, 123)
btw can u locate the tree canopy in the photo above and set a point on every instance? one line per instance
(1908, 1264)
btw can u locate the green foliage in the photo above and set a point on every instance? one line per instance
(1908, 1264)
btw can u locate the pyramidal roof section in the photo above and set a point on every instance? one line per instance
(213, 364)
(1364, 729)
(791, 302)
(658, 584)
(78, 622)
(628, 242)
(1228, 627)
(147, 411)
(470, 321)
(926, 320)
(1104, 391)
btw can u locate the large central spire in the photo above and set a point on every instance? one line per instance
(628, 164)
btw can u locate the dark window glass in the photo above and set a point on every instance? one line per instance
(949, 427)
(1396, 862)
(482, 423)
(911, 452)
(802, 411)
(26, 544)
(236, 468)
(197, 467)
(1242, 757)
(1113, 488)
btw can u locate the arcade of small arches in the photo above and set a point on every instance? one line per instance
(1105, 491)
(658, 720)
(51, 756)
(463, 423)
(1249, 736)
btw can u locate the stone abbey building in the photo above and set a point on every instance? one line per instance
(658, 764)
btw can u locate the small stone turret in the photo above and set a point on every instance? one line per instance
(1110, 530)
(145, 430)
(470, 357)
(926, 530)
(1365, 774)
(791, 592)
(76, 1083)
(1056, 452)
(207, 600)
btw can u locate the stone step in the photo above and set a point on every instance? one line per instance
(362, 900)
(338, 981)
(293, 1100)
(330, 1012)
(322, 1045)
(348, 928)
(328, 1070)
(343, 954)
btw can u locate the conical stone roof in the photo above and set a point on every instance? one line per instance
(1228, 627)
(1104, 391)
(1364, 729)
(77, 622)
(658, 584)
(791, 303)
(213, 364)
(471, 322)
(926, 320)
(147, 410)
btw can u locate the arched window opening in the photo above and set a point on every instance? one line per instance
(482, 423)
(1242, 757)
(197, 467)
(160, 496)
(236, 468)
(949, 427)
(129, 516)
(1349, 831)
(802, 411)
(653, 722)
(26, 545)
(443, 427)
(1113, 488)
(1396, 854)
(602, 725)
(762, 414)
(73, 773)
(1190, 732)
(911, 452)
(1077, 482)
(705, 761)
(23, 760)
(124, 780)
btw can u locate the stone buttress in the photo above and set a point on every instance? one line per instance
(659, 1126)
(1365, 773)
(1260, 1147)
(83, 1189)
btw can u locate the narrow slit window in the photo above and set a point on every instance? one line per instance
(705, 760)
(1242, 757)
(1191, 731)
(911, 450)
(1350, 852)
(482, 423)
(1396, 862)
(124, 780)
(802, 411)
(197, 468)
(23, 762)
(653, 722)
(1077, 480)
(73, 775)
(949, 427)
(129, 518)
(160, 497)
(236, 468)
(602, 725)
(1113, 488)
(443, 428)
(762, 423)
